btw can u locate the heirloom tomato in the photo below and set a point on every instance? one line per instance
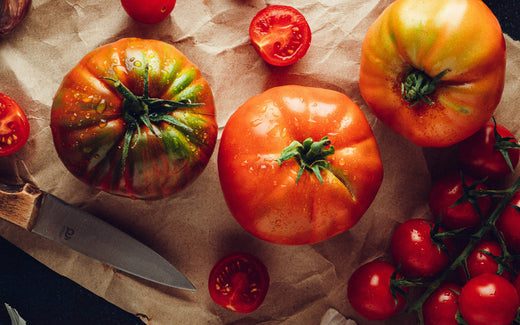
(488, 299)
(14, 126)
(239, 282)
(370, 291)
(433, 71)
(298, 165)
(148, 11)
(280, 35)
(135, 118)
(491, 152)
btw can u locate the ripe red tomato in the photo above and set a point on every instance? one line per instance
(239, 282)
(489, 299)
(433, 79)
(321, 192)
(280, 35)
(508, 224)
(479, 262)
(14, 126)
(441, 307)
(446, 191)
(482, 156)
(369, 291)
(148, 11)
(413, 248)
(135, 118)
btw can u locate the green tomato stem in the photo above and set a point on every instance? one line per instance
(418, 86)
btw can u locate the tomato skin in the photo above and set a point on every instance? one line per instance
(488, 299)
(264, 197)
(508, 223)
(280, 35)
(441, 307)
(369, 292)
(418, 34)
(88, 120)
(478, 156)
(14, 126)
(239, 282)
(479, 262)
(149, 11)
(412, 247)
(446, 191)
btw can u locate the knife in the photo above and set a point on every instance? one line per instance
(35, 210)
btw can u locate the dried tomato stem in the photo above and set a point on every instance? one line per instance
(310, 156)
(418, 85)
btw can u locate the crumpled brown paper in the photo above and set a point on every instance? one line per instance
(194, 229)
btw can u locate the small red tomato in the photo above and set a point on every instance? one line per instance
(369, 291)
(489, 299)
(508, 224)
(517, 285)
(280, 35)
(444, 194)
(412, 246)
(14, 126)
(479, 262)
(482, 155)
(148, 11)
(441, 307)
(239, 282)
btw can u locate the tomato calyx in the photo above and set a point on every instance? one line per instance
(418, 85)
(144, 110)
(310, 156)
(503, 145)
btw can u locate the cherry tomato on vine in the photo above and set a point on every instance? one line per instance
(280, 35)
(369, 291)
(479, 261)
(446, 191)
(148, 11)
(239, 282)
(489, 299)
(483, 154)
(413, 247)
(508, 224)
(14, 126)
(441, 307)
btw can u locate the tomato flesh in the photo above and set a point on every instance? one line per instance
(280, 34)
(149, 11)
(14, 126)
(239, 282)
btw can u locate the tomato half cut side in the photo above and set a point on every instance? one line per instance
(239, 282)
(280, 35)
(14, 126)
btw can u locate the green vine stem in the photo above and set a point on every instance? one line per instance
(487, 225)
(418, 86)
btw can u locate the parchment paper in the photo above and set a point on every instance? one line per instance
(194, 229)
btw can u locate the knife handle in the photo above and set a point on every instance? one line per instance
(19, 204)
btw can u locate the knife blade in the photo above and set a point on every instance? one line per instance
(35, 210)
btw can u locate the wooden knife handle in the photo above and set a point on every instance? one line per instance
(19, 204)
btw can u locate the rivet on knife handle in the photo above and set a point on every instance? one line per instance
(19, 204)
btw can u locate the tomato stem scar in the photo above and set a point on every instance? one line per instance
(418, 85)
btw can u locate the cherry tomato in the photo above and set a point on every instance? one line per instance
(508, 224)
(482, 155)
(444, 194)
(433, 80)
(280, 35)
(14, 126)
(412, 246)
(517, 285)
(239, 282)
(479, 262)
(441, 307)
(148, 11)
(369, 291)
(489, 299)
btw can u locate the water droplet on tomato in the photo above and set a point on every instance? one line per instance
(138, 63)
(87, 116)
(102, 123)
(101, 106)
(74, 117)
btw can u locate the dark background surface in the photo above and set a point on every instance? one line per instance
(43, 297)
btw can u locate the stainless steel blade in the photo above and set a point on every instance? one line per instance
(94, 237)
